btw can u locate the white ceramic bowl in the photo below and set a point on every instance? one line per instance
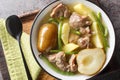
(34, 32)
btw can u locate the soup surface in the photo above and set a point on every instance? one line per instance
(72, 39)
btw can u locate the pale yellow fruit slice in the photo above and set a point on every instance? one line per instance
(65, 33)
(70, 47)
(90, 61)
(83, 10)
(96, 37)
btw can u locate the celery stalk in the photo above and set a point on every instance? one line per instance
(105, 28)
(99, 16)
(54, 51)
(53, 20)
(59, 35)
(75, 32)
(72, 52)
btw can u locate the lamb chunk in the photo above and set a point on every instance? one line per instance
(52, 58)
(61, 61)
(86, 21)
(85, 30)
(73, 66)
(76, 21)
(60, 11)
(60, 56)
(84, 42)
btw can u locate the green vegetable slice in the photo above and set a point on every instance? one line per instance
(62, 18)
(55, 51)
(59, 35)
(102, 31)
(53, 20)
(98, 22)
(75, 32)
(105, 28)
(73, 52)
(99, 16)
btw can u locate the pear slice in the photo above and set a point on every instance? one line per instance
(90, 61)
(96, 38)
(65, 33)
(70, 47)
(84, 10)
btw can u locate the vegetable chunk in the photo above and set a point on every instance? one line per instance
(96, 37)
(65, 33)
(70, 47)
(90, 61)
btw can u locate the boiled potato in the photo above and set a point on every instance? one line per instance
(90, 61)
(47, 37)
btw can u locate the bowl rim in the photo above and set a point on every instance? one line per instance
(35, 19)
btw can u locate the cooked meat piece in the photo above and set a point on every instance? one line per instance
(52, 58)
(73, 38)
(76, 21)
(60, 11)
(72, 65)
(67, 13)
(61, 61)
(85, 30)
(84, 42)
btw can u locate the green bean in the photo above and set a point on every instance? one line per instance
(54, 51)
(105, 28)
(59, 35)
(75, 32)
(53, 20)
(102, 31)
